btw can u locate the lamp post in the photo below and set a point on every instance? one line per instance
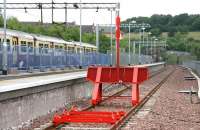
(155, 48)
(81, 58)
(133, 52)
(148, 42)
(152, 46)
(143, 35)
(4, 58)
(129, 41)
(141, 41)
(111, 38)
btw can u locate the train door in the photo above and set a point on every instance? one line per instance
(15, 49)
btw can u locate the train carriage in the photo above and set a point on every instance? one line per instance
(32, 50)
(17, 47)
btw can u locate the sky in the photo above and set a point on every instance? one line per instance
(128, 9)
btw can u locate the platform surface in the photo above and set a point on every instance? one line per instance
(16, 84)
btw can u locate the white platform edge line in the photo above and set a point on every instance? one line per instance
(197, 78)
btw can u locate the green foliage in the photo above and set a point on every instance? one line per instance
(181, 43)
(13, 23)
(172, 31)
(167, 23)
(57, 30)
(196, 24)
(89, 38)
(104, 43)
(1, 21)
(155, 32)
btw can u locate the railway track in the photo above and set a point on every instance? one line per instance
(110, 104)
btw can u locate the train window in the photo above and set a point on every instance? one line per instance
(8, 45)
(46, 47)
(60, 48)
(30, 44)
(23, 46)
(78, 50)
(65, 47)
(40, 47)
(56, 47)
(71, 49)
(30, 47)
(87, 50)
(51, 45)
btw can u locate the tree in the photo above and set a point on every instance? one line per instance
(196, 24)
(1, 21)
(13, 23)
(155, 32)
(104, 43)
(172, 31)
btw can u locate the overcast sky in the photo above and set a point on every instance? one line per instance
(129, 8)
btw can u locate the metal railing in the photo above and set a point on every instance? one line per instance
(134, 59)
(26, 58)
(195, 65)
(23, 58)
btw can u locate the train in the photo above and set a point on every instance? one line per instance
(29, 49)
(22, 40)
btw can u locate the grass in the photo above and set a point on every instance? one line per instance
(194, 35)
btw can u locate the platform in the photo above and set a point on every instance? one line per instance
(16, 84)
(22, 83)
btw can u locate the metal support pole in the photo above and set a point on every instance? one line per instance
(52, 12)
(97, 42)
(65, 14)
(152, 47)
(147, 44)
(97, 37)
(140, 46)
(41, 13)
(111, 38)
(40, 58)
(80, 67)
(27, 58)
(129, 44)
(143, 36)
(134, 52)
(154, 50)
(4, 62)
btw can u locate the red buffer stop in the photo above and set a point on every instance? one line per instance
(118, 74)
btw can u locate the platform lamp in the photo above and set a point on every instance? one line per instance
(111, 35)
(142, 39)
(148, 34)
(129, 40)
(155, 47)
(80, 28)
(143, 28)
(4, 55)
